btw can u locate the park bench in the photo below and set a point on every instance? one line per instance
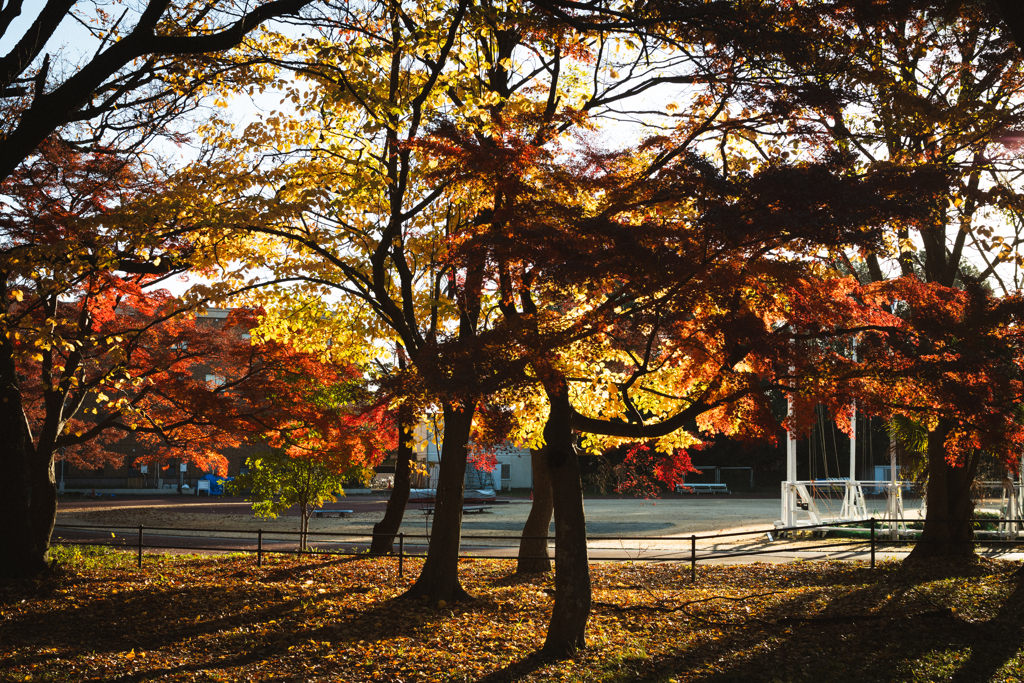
(341, 514)
(702, 488)
(465, 508)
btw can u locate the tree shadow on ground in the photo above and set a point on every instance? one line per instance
(516, 670)
(854, 624)
(158, 614)
(374, 623)
(517, 579)
(272, 573)
(874, 632)
(997, 641)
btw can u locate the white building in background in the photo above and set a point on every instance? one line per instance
(513, 471)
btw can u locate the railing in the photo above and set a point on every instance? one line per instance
(687, 552)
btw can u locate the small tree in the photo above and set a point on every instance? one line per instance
(277, 481)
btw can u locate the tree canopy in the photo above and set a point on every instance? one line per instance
(584, 225)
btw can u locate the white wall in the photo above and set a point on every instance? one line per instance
(518, 460)
(427, 447)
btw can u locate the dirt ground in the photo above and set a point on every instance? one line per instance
(605, 517)
(668, 518)
(617, 527)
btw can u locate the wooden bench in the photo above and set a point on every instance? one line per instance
(702, 488)
(465, 508)
(332, 513)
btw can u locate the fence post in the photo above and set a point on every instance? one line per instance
(401, 553)
(872, 542)
(259, 547)
(693, 559)
(140, 546)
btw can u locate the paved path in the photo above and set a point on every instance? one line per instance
(732, 550)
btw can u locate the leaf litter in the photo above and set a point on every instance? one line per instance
(321, 618)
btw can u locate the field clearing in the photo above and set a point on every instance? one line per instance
(605, 516)
(651, 527)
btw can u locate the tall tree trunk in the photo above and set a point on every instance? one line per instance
(385, 530)
(43, 506)
(533, 547)
(948, 531)
(567, 630)
(439, 579)
(24, 539)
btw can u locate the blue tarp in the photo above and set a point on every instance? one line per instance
(216, 483)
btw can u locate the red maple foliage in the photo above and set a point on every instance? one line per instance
(92, 349)
(643, 468)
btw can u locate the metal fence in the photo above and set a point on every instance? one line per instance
(876, 533)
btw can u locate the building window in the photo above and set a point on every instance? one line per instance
(214, 381)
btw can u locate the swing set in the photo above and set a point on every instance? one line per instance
(811, 501)
(815, 501)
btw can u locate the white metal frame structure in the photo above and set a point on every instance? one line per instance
(1012, 508)
(801, 507)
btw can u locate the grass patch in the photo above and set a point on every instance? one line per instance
(89, 557)
(322, 618)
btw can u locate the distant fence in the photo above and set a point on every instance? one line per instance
(876, 533)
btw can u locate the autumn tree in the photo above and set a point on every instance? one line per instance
(386, 530)
(96, 350)
(648, 296)
(276, 483)
(379, 223)
(148, 67)
(911, 85)
(384, 210)
(947, 370)
(56, 251)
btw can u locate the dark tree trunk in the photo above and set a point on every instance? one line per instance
(948, 531)
(385, 530)
(439, 579)
(567, 630)
(533, 547)
(43, 506)
(24, 537)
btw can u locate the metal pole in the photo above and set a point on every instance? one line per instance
(788, 516)
(140, 546)
(853, 429)
(259, 547)
(872, 542)
(401, 553)
(693, 559)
